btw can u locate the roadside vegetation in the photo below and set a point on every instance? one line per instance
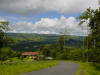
(18, 68)
(87, 68)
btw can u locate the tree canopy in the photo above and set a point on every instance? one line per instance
(3, 28)
(92, 18)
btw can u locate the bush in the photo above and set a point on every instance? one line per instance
(5, 53)
(75, 54)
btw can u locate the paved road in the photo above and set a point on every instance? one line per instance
(65, 68)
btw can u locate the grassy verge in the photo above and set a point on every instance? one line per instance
(18, 68)
(88, 69)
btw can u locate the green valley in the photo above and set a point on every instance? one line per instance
(32, 42)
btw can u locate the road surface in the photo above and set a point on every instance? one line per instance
(64, 68)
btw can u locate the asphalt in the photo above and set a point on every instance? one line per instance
(64, 68)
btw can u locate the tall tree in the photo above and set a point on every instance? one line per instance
(62, 42)
(3, 28)
(92, 17)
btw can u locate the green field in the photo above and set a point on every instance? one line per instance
(18, 68)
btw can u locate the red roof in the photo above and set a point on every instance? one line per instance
(29, 53)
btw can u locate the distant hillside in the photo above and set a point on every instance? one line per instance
(32, 42)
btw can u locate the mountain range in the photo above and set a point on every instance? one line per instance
(32, 42)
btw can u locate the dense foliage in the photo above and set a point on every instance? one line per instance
(5, 51)
(92, 17)
(3, 28)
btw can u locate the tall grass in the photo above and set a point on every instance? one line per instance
(89, 69)
(18, 68)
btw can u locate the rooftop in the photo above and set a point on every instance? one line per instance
(29, 53)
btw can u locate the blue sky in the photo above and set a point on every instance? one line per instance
(45, 16)
(37, 17)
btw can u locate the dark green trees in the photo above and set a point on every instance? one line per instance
(92, 18)
(3, 28)
(57, 51)
(5, 52)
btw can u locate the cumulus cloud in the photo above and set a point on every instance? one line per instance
(50, 26)
(37, 6)
(1, 20)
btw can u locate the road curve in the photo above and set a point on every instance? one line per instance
(64, 68)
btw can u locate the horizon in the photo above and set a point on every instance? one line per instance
(45, 34)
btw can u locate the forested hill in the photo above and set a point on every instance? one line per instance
(32, 42)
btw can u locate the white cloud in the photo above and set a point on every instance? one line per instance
(37, 6)
(50, 26)
(1, 20)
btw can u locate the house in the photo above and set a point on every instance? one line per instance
(49, 58)
(33, 55)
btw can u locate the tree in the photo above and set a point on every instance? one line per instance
(4, 52)
(45, 50)
(62, 42)
(3, 28)
(92, 17)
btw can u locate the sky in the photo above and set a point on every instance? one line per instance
(45, 16)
